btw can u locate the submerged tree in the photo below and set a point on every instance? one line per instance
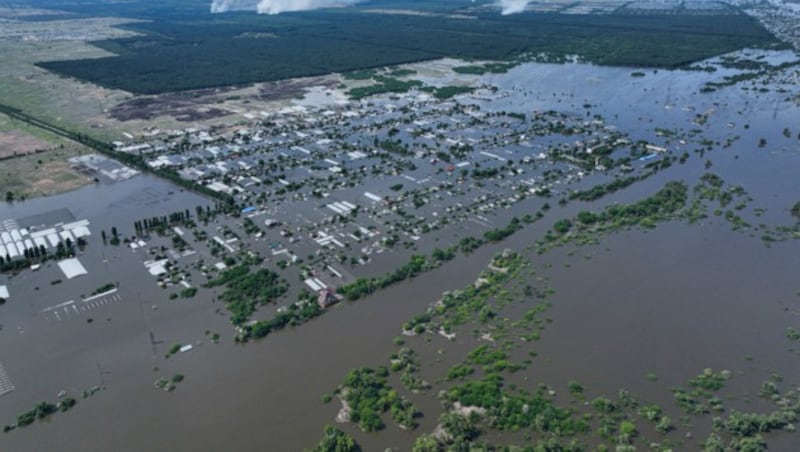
(796, 210)
(336, 440)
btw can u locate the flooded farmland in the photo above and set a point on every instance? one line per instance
(644, 310)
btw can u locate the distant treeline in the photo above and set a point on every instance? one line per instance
(184, 51)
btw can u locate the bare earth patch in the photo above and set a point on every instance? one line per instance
(16, 143)
(184, 106)
(42, 173)
(292, 88)
(57, 177)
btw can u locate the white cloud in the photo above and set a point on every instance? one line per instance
(512, 6)
(276, 6)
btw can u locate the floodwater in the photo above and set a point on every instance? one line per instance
(673, 302)
(670, 301)
(230, 392)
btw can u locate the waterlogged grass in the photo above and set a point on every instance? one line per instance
(384, 85)
(446, 92)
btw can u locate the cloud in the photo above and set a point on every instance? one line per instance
(276, 6)
(282, 6)
(221, 6)
(512, 6)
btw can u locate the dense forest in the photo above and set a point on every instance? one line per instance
(181, 50)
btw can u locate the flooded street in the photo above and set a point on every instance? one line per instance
(671, 301)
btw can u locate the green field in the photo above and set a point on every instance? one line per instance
(187, 50)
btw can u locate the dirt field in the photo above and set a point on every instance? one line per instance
(16, 143)
(57, 177)
(18, 138)
(34, 162)
(185, 107)
(293, 88)
(41, 174)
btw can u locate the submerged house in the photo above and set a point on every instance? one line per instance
(327, 297)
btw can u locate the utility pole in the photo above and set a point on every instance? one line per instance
(153, 341)
(100, 372)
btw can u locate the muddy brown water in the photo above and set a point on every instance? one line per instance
(670, 301)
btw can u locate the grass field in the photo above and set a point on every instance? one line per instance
(50, 96)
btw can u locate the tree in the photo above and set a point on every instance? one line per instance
(587, 217)
(425, 443)
(458, 426)
(796, 210)
(627, 430)
(664, 425)
(713, 444)
(562, 226)
(369, 421)
(44, 409)
(336, 440)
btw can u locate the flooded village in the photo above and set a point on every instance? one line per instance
(134, 279)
